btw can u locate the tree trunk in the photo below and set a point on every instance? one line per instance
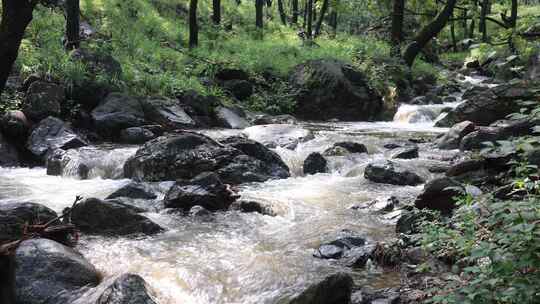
(334, 22)
(309, 22)
(193, 26)
(295, 12)
(482, 26)
(16, 15)
(282, 14)
(471, 28)
(318, 26)
(453, 35)
(513, 14)
(259, 5)
(72, 24)
(216, 11)
(397, 26)
(428, 32)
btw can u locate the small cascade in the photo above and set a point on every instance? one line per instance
(415, 114)
(105, 162)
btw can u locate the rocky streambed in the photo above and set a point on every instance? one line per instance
(254, 215)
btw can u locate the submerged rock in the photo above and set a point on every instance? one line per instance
(14, 216)
(332, 89)
(133, 190)
(51, 134)
(96, 216)
(315, 163)
(343, 148)
(337, 248)
(388, 172)
(49, 272)
(205, 190)
(253, 206)
(334, 289)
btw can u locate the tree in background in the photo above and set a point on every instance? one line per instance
(259, 13)
(318, 26)
(193, 26)
(295, 12)
(398, 13)
(72, 24)
(309, 19)
(282, 14)
(216, 11)
(428, 32)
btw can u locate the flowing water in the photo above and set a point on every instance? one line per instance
(246, 258)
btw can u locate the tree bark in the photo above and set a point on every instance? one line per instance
(453, 35)
(513, 14)
(259, 5)
(334, 22)
(309, 22)
(282, 14)
(72, 24)
(216, 11)
(193, 26)
(428, 32)
(482, 25)
(16, 15)
(397, 26)
(318, 26)
(295, 12)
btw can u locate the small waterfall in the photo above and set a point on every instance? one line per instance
(98, 161)
(415, 114)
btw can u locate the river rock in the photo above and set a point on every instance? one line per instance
(336, 249)
(266, 119)
(358, 257)
(133, 190)
(118, 112)
(389, 172)
(200, 108)
(49, 272)
(257, 150)
(407, 152)
(108, 217)
(452, 138)
(230, 118)
(15, 126)
(332, 89)
(439, 194)
(167, 113)
(136, 135)
(240, 89)
(205, 190)
(8, 153)
(124, 289)
(13, 217)
(475, 140)
(43, 99)
(334, 289)
(465, 167)
(50, 134)
(278, 135)
(315, 163)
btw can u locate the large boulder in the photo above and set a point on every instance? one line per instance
(200, 108)
(229, 118)
(49, 272)
(43, 99)
(187, 154)
(136, 135)
(205, 190)
(8, 153)
(315, 163)
(389, 172)
(334, 289)
(108, 217)
(14, 216)
(452, 138)
(117, 112)
(50, 134)
(124, 289)
(257, 150)
(439, 194)
(332, 89)
(477, 139)
(278, 135)
(407, 152)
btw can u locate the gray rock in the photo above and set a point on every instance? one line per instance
(452, 138)
(125, 289)
(118, 112)
(167, 113)
(133, 190)
(334, 289)
(407, 152)
(230, 118)
(253, 206)
(51, 134)
(14, 216)
(332, 89)
(14, 125)
(336, 249)
(49, 272)
(100, 217)
(388, 172)
(477, 139)
(439, 194)
(136, 135)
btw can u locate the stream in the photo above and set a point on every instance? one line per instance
(236, 257)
